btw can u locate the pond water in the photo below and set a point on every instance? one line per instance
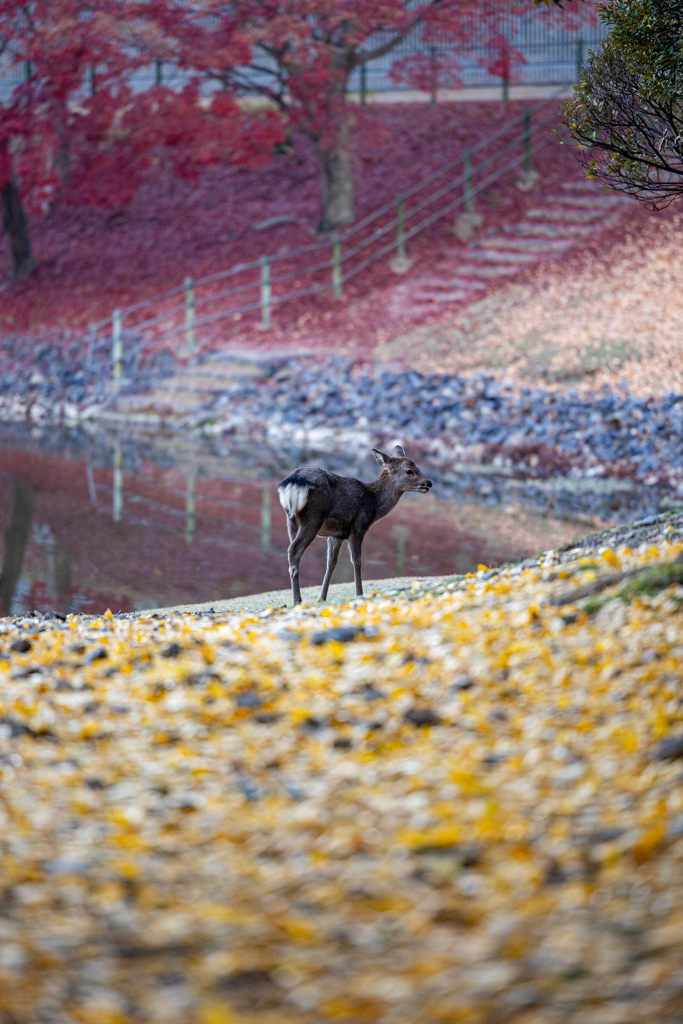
(92, 521)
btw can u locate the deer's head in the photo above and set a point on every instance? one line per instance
(402, 471)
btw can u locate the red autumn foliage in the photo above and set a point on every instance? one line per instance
(91, 261)
(505, 59)
(162, 125)
(57, 143)
(301, 57)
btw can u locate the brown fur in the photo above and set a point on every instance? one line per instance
(341, 508)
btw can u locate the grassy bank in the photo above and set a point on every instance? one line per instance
(461, 801)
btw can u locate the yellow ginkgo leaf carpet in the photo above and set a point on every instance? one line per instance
(459, 803)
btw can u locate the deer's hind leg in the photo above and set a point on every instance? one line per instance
(306, 532)
(333, 548)
(355, 545)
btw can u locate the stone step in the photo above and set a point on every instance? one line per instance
(553, 230)
(176, 388)
(499, 271)
(586, 202)
(204, 384)
(449, 274)
(464, 282)
(227, 369)
(188, 384)
(538, 245)
(493, 255)
(587, 186)
(424, 295)
(552, 213)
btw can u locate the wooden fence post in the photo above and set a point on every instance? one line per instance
(363, 84)
(117, 345)
(190, 508)
(265, 519)
(434, 73)
(336, 268)
(400, 227)
(266, 293)
(189, 312)
(469, 192)
(159, 72)
(118, 483)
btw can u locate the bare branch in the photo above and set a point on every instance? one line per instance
(630, 133)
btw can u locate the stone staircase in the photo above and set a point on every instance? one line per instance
(195, 384)
(560, 222)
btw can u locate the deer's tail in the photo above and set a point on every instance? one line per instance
(293, 493)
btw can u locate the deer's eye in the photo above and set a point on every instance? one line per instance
(409, 472)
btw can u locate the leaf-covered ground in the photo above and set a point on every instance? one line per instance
(459, 803)
(609, 314)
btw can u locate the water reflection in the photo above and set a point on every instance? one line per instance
(95, 521)
(16, 539)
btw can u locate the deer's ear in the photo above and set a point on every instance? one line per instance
(382, 458)
(399, 453)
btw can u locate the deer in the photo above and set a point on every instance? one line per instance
(341, 508)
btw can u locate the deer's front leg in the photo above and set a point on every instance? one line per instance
(333, 548)
(355, 544)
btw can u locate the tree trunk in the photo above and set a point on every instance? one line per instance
(16, 228)
(16, 539)
(336, 180)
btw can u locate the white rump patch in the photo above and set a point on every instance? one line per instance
(293, 497)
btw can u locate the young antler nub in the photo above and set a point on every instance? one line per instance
(322, 504)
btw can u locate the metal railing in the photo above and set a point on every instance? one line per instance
(548, 62)
(385, 231)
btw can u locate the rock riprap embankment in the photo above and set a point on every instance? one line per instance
(54, 377)
(480, 418)
(317, 406)
(463, 802)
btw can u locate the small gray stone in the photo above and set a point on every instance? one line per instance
(670, 748)
(422, 716)
(342, 635)
(97, 655)
(676, 826)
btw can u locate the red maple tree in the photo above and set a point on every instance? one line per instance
(299, 57)
(75, 130)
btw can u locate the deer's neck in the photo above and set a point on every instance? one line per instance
(386, 494)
